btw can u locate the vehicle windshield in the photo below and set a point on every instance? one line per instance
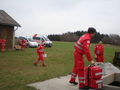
(46, 38)
(29, 39)
(37, 38)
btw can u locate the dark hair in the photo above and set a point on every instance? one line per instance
(91, 30)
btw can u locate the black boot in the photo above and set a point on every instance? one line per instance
(84, 88)
(34, 64)
(74, 83)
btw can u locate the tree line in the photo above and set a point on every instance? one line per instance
(74, 36)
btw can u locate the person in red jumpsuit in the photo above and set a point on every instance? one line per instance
(3, 45)
(99, 56)
(24, 42)
(99, 52)
(40, 51)
(81, 48)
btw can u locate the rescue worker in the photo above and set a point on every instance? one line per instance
(40, 51)
(3, 45)
(24, 42)
(99, 55)
(99, 52)
(82, 48)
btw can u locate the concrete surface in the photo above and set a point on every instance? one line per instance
(109, 69)
(109, 79)
(62, 83)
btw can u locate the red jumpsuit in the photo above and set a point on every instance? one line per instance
(24, 43)
(40, 51)
(3, 42)
(81, 48)
(3, 45)
(99, 52)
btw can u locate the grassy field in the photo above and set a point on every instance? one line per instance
(17, 70)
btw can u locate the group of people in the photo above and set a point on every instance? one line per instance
(21, 44)
(82, 48)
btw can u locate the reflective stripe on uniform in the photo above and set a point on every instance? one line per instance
(81, 81)
(81, 77)
(79, 43)
(41, 49)
(99, 81)
(74, 74)
(73, 77)
(78, 46)
(100, 73)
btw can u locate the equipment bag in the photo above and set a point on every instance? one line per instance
(93, 76)
(95, 72)
(97, 84)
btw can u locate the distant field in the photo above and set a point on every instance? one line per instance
(17, 70)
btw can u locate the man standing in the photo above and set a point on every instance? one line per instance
(82, 48)
(24, 42)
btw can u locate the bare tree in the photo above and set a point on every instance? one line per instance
(112, 39)
(69, 37)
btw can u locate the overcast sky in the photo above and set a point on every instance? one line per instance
(60, 16)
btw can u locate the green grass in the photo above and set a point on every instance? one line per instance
(17, 70)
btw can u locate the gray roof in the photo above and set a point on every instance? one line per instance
(5, 19)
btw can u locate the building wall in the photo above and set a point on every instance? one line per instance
(7, 32)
